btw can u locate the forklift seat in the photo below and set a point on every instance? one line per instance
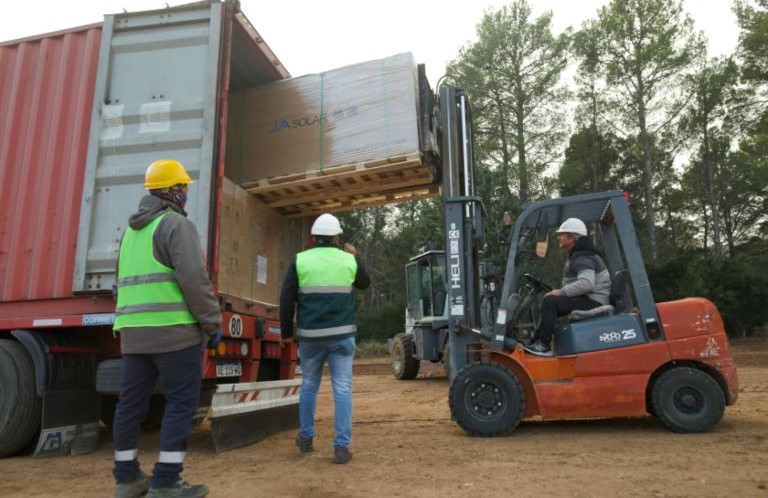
(617, 300)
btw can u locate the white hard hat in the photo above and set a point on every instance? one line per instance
(326, 224)
(573, 225)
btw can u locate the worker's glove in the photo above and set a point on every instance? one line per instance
(214, 340)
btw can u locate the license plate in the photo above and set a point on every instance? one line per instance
(229, 370)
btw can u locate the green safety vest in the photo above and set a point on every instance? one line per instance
(325, 304)
(147, 292)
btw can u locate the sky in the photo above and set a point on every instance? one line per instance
(311, 36)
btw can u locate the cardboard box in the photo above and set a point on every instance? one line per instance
(354, 114)
(256, 246)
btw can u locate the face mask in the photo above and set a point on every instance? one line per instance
(179, 195)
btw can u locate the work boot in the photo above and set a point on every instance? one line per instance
(179, 490)
(304, 445)
(341, 455)
(539, 348)
(133, 489)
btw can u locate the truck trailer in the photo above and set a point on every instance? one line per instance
(82, 113)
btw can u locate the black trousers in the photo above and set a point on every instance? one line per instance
(180, 374)
(555, 306)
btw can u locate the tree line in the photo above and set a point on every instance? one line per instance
(630, 100)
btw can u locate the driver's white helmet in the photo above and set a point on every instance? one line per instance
(326, 224)
(573, 225)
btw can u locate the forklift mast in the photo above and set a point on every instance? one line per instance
(464, 228)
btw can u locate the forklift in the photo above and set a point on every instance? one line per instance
(426, 314)
(629, 358)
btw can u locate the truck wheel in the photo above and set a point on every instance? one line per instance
(404, 365)
(20, 406)
(687, 400)
(486, 400)
(151, 421)
(155, 414)
(447, 358)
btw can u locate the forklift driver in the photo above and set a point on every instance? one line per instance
(586, 283)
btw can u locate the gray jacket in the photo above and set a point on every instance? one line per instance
(585, 273)
(176, 244)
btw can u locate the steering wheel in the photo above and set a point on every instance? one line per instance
(537, 284)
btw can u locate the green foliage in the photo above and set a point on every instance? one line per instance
(512, 74)
(738, 286)
(589, 160)
(739, 195)
(367, 229)
(369, 348)
(497, 200)
(640, 50)
(386, 238)
(753, 41)
(709, 121)
(744, 201)
(382, 323)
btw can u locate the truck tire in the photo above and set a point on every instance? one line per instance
(486, 400)
(405, 366)
(687, 400)
(108, 407)
(155, 414)
(20, 406)
(151, 421)
(447, 358)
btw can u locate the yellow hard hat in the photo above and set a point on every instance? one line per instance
(165, 173)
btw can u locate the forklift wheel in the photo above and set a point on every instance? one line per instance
(687, 400)
(486, 400)
(405, 366)
(447, 358)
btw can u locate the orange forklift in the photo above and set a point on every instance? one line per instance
(629, 358)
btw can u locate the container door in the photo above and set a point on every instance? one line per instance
(155, 98)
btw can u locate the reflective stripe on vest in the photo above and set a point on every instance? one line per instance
(326, 304)
(147, 292)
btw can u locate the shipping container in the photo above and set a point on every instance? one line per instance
(82, 114)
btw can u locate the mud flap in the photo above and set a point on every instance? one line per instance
(70, 422)
(243, 414)
(65, 367)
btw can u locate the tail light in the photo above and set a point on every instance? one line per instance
(231, 348)
(272, 350)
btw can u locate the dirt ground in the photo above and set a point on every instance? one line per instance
(406, 445)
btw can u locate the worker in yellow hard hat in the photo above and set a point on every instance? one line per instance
(166, 312)
(168, 180)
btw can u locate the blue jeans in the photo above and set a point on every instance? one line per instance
(313, 354)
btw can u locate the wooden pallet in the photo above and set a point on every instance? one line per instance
(333, 205)
(348, 186)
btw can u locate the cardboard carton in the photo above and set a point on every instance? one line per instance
(354, 114)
